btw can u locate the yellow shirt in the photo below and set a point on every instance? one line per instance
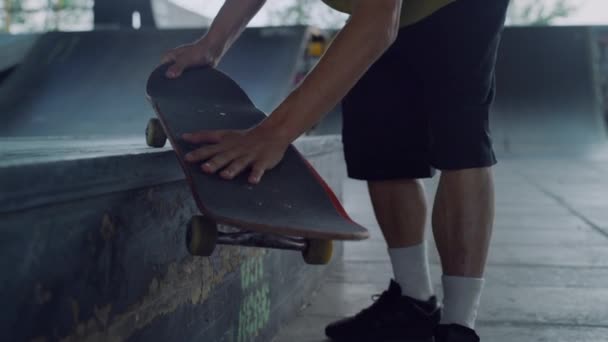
(412, 11)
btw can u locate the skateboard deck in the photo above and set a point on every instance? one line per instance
(291, 201)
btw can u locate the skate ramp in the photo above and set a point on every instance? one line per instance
(547, 91)
(92, 83)
(13, 49)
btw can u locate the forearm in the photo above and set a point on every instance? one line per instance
(360, 43)
(230, 22)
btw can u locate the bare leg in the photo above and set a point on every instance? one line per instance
(463, 215)
(408, 308)
(400, 209)
(462, 225)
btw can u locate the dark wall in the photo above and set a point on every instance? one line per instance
(92, 244)
(115, 267)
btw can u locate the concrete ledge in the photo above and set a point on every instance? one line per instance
(105, 259)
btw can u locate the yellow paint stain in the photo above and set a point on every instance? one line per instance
(190, 281)
(196, 295)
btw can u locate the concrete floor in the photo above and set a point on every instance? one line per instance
(547, 275)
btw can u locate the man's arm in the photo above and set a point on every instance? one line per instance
(226, 27)
(373, 27)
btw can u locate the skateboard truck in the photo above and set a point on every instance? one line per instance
(203, 233)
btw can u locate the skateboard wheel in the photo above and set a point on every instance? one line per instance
(201, 236)
(155, 134)
(318, 252)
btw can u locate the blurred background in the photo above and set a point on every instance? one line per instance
(20, 16)
(93, 221)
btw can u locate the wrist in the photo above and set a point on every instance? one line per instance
(211, 46)
(277, 125)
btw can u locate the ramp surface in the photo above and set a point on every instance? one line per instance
(548, 91)
(13, 48)
(92, 83)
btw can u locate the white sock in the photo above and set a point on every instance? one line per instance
(411, 270)
(461, 296)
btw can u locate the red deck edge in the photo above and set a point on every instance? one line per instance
(332, 196)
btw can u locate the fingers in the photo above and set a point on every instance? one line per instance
(232, 152)
(233, 163)
(168, 57)
(219, 161)
(176, 57)
(184, 57)
(236, 167)
(257, 172)
(203, 153)
(239, 165)
(211, 137)
(175, 70)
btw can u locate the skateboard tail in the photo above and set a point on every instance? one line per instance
(332, 196)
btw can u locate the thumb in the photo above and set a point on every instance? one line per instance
(168, 57)
(175, 70)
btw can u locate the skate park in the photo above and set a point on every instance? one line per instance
(92, 219)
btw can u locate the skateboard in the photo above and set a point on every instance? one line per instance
(292, 208)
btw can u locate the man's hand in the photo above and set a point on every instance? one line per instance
(224, 30)
(199, 53)
(232, 152)
(345, 61)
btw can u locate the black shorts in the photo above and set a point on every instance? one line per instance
(424, 105)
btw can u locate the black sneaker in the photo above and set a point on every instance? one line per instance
(455, 333)
(392, 317)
